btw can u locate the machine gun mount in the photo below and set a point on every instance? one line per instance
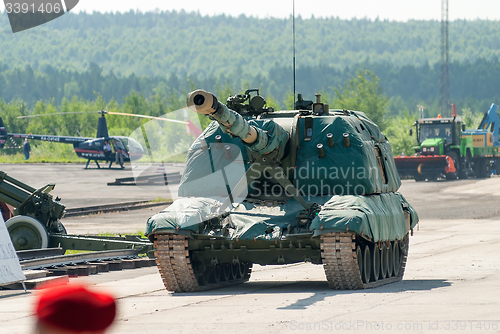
(255, 106)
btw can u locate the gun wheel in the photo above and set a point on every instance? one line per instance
(27, 233)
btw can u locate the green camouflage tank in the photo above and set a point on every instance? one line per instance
(280, 187)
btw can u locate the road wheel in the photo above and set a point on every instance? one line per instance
(226, 271)
(375, 259)
(359, 259)
(397, 258)
(217, 273)
(235, 268)
(204, 278)
(391, 260)
(242, 270)
(248, 270)
(384, 262)
(27, 233)
(367, 265)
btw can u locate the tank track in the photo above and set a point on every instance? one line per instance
(180, 275)
(340, 254)
(344, 263)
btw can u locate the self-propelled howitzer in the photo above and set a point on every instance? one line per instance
(279, 187)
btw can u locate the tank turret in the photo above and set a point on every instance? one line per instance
(279, 187)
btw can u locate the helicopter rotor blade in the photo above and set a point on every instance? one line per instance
(106, 112)
(150, 117)
(62, 113)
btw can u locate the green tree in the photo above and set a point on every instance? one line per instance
(363, 93)
(398, 133)
(471, 120)
(288, 99)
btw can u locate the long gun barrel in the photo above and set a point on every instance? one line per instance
(250, 132)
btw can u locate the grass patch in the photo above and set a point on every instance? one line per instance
(160, 199)
(139, 233)
(18, 158)
(73, 251)
(61, 153)
(41, 153)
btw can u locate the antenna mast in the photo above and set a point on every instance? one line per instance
(293, 20)
(444, 87)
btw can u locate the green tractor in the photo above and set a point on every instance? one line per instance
(447, 150)
(438, 153)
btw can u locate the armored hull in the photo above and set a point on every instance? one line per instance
(316, 186)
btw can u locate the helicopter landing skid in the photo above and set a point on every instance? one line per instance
(121, 165)
(88, 161)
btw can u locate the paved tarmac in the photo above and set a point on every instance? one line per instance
(451, 284)
(451, 281)
(78, 187)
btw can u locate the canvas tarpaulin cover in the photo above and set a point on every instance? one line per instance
(344, 170)
(379, 217)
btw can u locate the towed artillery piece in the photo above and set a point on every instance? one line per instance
(280, 187)
(30, 214)
(32, 217)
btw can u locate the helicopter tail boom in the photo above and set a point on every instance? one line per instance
(56, 139)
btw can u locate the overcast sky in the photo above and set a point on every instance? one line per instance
(400, 10)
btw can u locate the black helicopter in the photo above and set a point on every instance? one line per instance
(121, 149)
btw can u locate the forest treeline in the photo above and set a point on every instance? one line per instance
(189, 43)
(473, 85)
(113, 54)
(146, 63)
(361, 92)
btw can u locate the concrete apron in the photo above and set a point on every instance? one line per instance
(451, 276)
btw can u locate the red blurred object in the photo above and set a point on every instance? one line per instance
(196, 131)
(73, 307)
(7, 211)
(451, 165)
